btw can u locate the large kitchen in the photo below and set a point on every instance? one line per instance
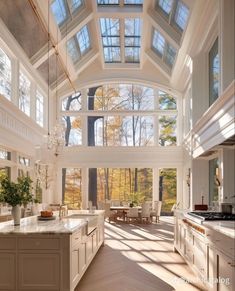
(117, 145)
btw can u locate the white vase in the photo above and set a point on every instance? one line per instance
(16, 214)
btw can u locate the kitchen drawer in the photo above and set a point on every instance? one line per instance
(39, 243)
(76, 237)
(7, 243)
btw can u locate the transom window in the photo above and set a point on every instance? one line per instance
(24, 94)
(5, 75)
(164, 50)
(39, 108)
(112, 43)
(120, 115)
(79, 45)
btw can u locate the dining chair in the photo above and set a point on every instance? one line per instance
(108, 213)
(145, 212)
(156, 210)
(115, 203)
(132, 213)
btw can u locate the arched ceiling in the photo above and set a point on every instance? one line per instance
(74, 43)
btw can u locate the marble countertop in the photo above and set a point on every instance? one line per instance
(225, 227)
(66, 225)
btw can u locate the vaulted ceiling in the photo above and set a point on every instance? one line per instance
(76, 42)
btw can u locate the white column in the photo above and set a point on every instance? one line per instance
(179, 189)
(84, 102)
(226, 41)
(33, 90)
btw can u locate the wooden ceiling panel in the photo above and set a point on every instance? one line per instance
(23, 23)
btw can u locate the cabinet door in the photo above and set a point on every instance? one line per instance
(89, 249)
(199, 251)
(39, 271)
(226, 270)
(75, 270)
(7, 271)
(82, 257)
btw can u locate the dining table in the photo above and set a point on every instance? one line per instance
(123, 210)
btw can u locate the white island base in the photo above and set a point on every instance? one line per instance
(47, 255)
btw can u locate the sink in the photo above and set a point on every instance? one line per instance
(92, 221)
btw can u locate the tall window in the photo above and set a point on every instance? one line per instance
(214, 73)
(39, 108)
(72, 187)
(213, 181)
(125, 184)
(167, 188)
(5, 75)
(24, 94)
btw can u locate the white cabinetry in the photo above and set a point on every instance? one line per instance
(209, 253)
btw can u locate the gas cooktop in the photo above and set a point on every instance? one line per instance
(212, 215)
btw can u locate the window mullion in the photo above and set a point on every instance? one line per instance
(122, 39)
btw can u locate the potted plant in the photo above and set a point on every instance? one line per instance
(16, 194)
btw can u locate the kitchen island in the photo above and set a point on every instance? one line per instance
(209, 249)
(51, 254)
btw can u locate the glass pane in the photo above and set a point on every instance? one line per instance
(107, 2)
(73, 131)
(134, 2)
(112, 54)
(214, 73)
(83, 39)
(39, 108)
(24, 94)
(59, 10)
(123, 97)
(166, 101)
(170, 55)
(132, 55)
(72, 187)
(75, 4)
(5, 155)
(132, 26)
(158, 42)
(165, 5)
(73, 50)
(24, 161)
(5, 75)
(109, 26)
(167, 130)
(181, 15)
(72, 103)
(213, 181)
(124, 131)
(124, 184)
(167, 189)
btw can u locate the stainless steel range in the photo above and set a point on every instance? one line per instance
(209, 216)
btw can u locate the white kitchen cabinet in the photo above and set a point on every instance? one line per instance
(225, 272)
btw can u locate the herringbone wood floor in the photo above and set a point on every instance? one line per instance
(138, 257)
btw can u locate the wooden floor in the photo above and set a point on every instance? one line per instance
(139, 257)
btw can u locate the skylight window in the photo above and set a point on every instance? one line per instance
(108, 2)
(175, 11)
(79, 44)
(110, 32)
(165, 5)
(83, 39)
(158, 42)
(75, 4)
(132, 40)
(59, 10)
(181, 15)
(163, 49)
